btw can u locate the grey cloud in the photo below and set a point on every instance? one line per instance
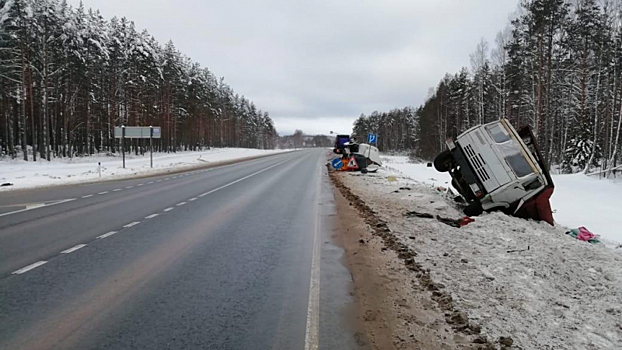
(320, 62)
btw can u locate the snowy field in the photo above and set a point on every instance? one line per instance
(515, 278)
(578, 200)
(66, 171)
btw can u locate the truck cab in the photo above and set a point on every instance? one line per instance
(494, 167)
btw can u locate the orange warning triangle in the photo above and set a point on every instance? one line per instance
(352, 163)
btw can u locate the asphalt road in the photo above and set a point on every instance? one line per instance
(233, 257)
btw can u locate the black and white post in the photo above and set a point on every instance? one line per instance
(151, 143)
(123, 143)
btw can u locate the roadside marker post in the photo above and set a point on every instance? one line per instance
(123, 143)
(151, 143)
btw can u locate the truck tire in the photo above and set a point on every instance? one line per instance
(473, 209)
(442, 162)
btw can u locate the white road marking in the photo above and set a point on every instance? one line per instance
(29, 267)
(107, 234)
(38, 205)
(132, 224)
(192, 199)
(128, 187)
(159, 181)
(149, 183)
(73, 249)
(242, 179)
(312, 337)
(167, 179)
(169, 209)
(87, 196)
(103, 192)
(139, 185)
(151, 216)
(116, 190)
(180, 204)
(174, 177)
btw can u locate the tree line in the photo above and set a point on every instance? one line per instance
(557, 67)
(68, 77)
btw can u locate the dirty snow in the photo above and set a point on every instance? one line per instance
(513, 277)
(578, 200)
(66, 171)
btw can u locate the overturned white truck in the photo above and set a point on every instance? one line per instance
(494, 167)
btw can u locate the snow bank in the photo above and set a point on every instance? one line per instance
(515, 278)
(578, 200)
(65, 171)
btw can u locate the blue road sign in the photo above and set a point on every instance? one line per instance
(372, 138)
(337, 163)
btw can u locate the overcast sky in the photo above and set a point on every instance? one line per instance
(316, 65)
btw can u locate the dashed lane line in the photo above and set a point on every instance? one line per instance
(87, 196)
(128, 187)
(106, 234)
(80, 246)
(29, 267)
(73, 249)
(116, 190)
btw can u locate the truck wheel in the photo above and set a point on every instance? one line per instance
(473, 209)
(442, 162)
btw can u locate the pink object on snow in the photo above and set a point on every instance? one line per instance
(585, 234)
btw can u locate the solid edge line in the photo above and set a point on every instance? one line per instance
(73, 249)
(312, 340)
(29, 267)
(37, 207)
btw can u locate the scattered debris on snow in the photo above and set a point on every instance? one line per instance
(578, 200)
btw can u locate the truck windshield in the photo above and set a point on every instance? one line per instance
(510, 150)
(498, 133)
(515, 158)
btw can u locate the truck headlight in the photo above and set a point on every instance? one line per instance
(450, 143)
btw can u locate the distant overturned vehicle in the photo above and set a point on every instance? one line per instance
(355, 156)
(494, 167)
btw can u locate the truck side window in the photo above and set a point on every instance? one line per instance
(498, 133)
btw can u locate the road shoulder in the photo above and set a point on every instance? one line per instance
(399, 306)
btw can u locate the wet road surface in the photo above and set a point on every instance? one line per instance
(232, 257)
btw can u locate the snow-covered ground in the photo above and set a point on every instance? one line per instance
(66, 171)
(515, 278)
(578, 200)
